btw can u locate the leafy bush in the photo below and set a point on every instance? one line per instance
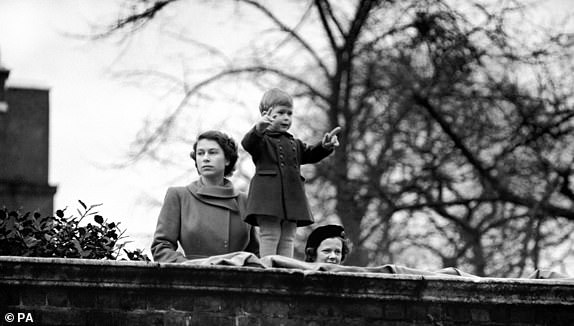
(33, 235)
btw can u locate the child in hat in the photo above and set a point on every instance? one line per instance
(327, 244)
(276, 201)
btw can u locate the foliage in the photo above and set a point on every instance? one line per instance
(458, 130)
(34, 235)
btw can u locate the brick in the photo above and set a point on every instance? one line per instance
(161, 300)
(275, 309)
(33, 297)
(373, 310)
(158, 302)
(132, 301)
(522, 314)
(394, 323)
(82, 299)
(252, 305)
(145, 318)
(245, 320)
(180, 302)
(370, 309)
(479, 315)
(324, 308)
(350, 322)
(10, 296)
(416, 311)
(307, 307)
(57, 298)
(277, 321)
(499, 314)
(177, 318)
(124, 301)
(434, 312)
(434, 319)
(458, 313)
(107, 300)
(243, 317)
(61, 316)
(331, 309)
(394, 311)
(105, 317)
(203, 318)
(554, 315)
(209, 304)
(240, 311)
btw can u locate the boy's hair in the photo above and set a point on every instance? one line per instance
(273, 97)
(226, 143)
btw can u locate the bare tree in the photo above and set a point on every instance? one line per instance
(457, 135)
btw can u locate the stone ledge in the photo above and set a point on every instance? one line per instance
(82, 274)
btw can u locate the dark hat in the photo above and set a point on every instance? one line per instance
(324, 232)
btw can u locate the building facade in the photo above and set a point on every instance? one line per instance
(24, 148)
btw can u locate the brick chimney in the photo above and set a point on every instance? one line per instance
(4, 73)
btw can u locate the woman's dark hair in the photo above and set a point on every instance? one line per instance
(311, 252)
(227, 144)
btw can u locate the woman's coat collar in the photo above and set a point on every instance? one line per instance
(223, 196)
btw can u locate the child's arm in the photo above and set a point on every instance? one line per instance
(330, 140)
(252, 141)
(314, 154)
(253, 138)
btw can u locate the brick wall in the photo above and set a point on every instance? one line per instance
(86, 292)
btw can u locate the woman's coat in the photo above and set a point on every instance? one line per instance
(205, 220)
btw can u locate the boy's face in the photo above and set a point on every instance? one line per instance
(282, 117)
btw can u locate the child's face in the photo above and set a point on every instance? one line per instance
(282, 116)
(330, 251)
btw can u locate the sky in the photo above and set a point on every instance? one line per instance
(94, 116)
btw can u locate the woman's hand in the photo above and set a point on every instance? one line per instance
(330, 139)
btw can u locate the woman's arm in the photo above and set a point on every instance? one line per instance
(164, 245)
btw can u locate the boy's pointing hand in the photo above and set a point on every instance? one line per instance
(330, 139)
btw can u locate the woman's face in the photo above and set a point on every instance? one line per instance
(330, 251)
(210, 159)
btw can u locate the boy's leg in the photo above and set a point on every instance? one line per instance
(269, 234)
(287, 239)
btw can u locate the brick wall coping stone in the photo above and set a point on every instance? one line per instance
(80, 273)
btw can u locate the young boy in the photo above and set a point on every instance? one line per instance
(276, 201)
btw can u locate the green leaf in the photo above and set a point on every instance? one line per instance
(99, 219)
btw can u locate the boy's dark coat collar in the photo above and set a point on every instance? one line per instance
(272, 133)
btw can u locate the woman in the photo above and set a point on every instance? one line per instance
(205, 217)
(327, 244)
